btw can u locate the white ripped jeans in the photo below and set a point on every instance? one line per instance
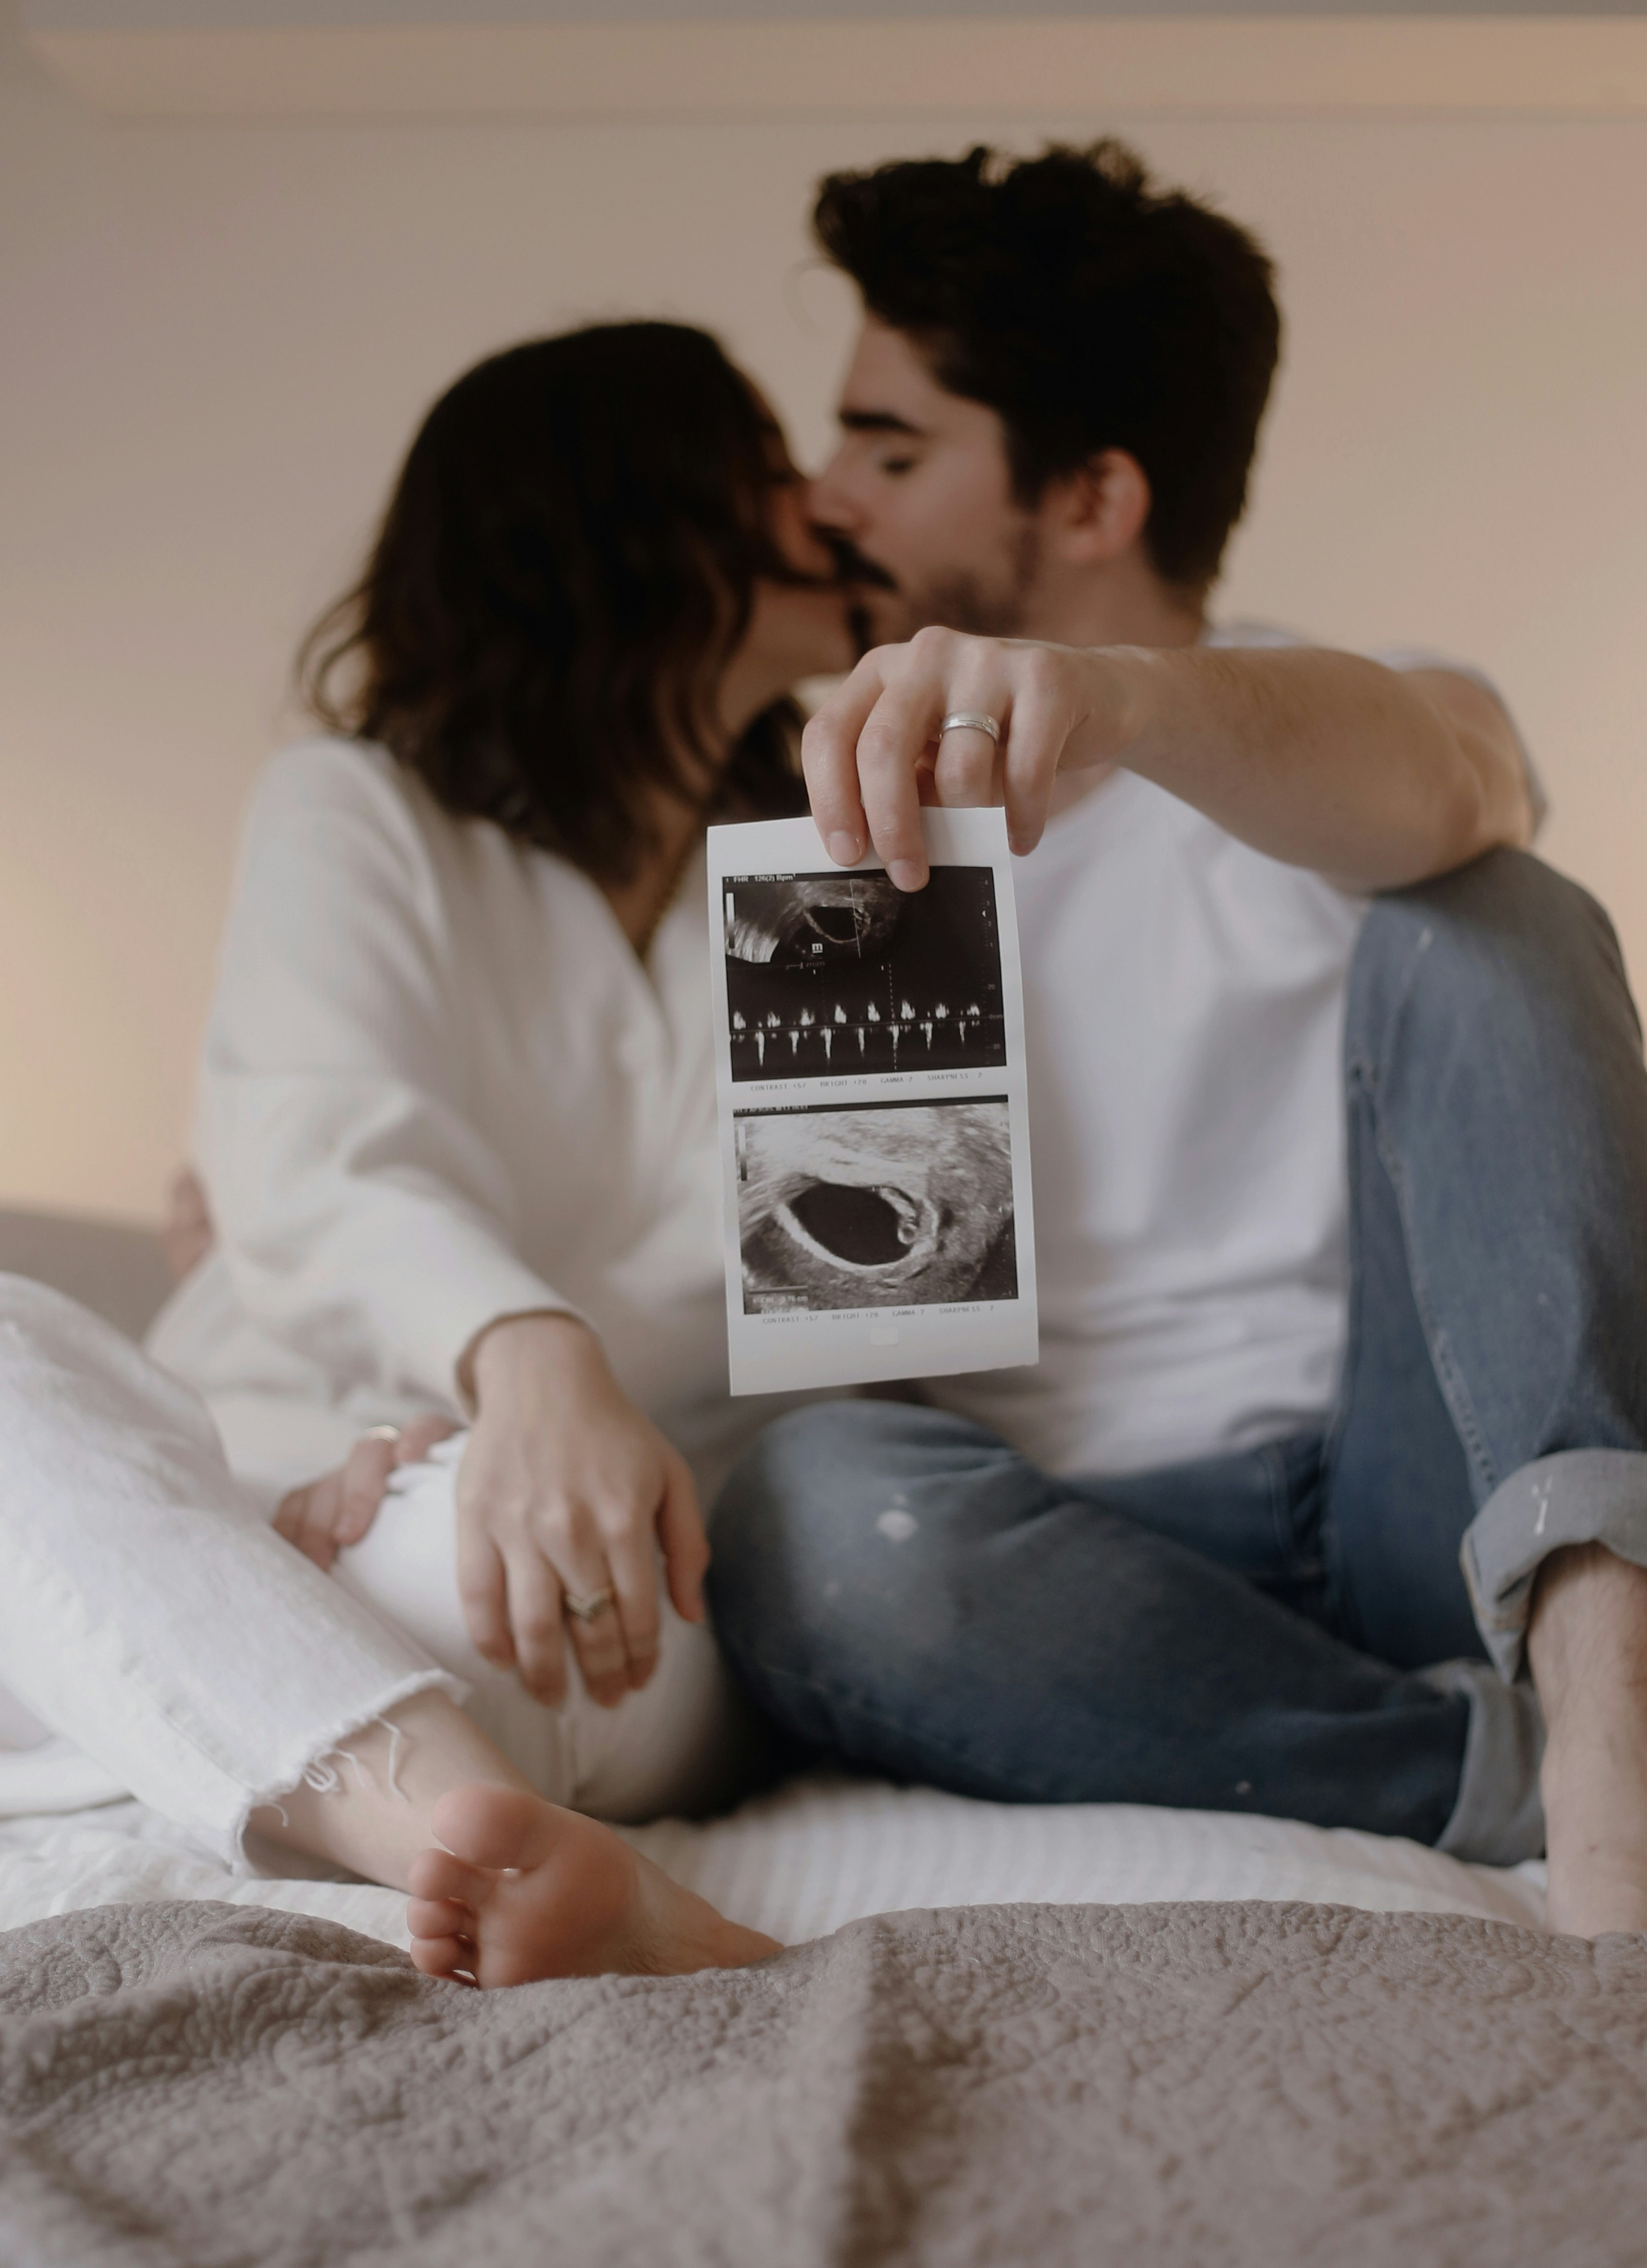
(151, 1616)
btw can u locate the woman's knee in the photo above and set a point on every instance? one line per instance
(405, 1567)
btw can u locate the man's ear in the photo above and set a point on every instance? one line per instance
(1094, 514)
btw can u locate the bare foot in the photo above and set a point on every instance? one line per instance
(1587, 1645)
(524, 1889)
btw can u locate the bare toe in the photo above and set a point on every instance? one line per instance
(439, 1917)
(437, 1874)
(524, 1890)
(495, 1827)
(452, 1957)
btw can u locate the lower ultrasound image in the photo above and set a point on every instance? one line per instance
(844, 972)
(876, 1205)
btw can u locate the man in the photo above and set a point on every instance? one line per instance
(1340, 1196)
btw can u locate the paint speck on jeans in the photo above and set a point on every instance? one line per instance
(897, 1527)
(1243, 1787)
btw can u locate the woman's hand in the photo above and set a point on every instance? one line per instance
(329, 1514)
(566, 1492)
(873, 755)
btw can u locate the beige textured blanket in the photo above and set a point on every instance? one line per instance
(1207, 2084)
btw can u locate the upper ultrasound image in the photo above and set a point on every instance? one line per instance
(842, 972)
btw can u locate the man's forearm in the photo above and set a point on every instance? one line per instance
(1330, 762)
(1321, 759)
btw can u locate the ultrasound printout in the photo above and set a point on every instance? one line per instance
(844, 972)
(869, 1066)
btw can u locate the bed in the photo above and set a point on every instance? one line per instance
(997, 2034)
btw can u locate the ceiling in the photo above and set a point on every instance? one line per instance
(774, 58)
(224, 15)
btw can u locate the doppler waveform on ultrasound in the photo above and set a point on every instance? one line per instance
(845, 973)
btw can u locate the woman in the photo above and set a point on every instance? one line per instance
(457, 1121)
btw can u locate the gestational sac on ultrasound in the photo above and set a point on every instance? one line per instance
(876, 1205)
(842, 972)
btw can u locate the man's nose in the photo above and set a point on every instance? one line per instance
(829, 504)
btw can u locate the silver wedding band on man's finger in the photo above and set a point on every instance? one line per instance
(971, 720)
(962, 773)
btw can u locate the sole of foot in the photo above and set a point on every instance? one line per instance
(522, 1889)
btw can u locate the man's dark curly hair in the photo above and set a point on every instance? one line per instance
(1090, 309)
(567, 562)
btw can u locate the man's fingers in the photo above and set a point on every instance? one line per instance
(966, 775)
(900, 738)
(876, 751)
(685, 1546)
(829, 759)
(897, 732)
(1040, 732)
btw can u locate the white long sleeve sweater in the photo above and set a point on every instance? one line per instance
(438, 1087)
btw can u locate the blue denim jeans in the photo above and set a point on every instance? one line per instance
(1330, 1627)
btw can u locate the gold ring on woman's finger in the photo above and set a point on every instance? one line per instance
(587, 1606)
(971, 720)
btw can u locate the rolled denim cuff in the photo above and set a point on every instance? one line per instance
(1578, 1496)
(1498, 1819)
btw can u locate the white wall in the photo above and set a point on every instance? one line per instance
(216, 337)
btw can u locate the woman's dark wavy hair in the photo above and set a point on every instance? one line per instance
(1090, 309)
(567, 562)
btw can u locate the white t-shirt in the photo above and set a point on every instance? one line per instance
(1184, 1004)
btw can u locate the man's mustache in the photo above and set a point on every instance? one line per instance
(852, 565)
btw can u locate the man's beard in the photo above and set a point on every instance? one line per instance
(982, 606)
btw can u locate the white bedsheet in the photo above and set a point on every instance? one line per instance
(823, 1850)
